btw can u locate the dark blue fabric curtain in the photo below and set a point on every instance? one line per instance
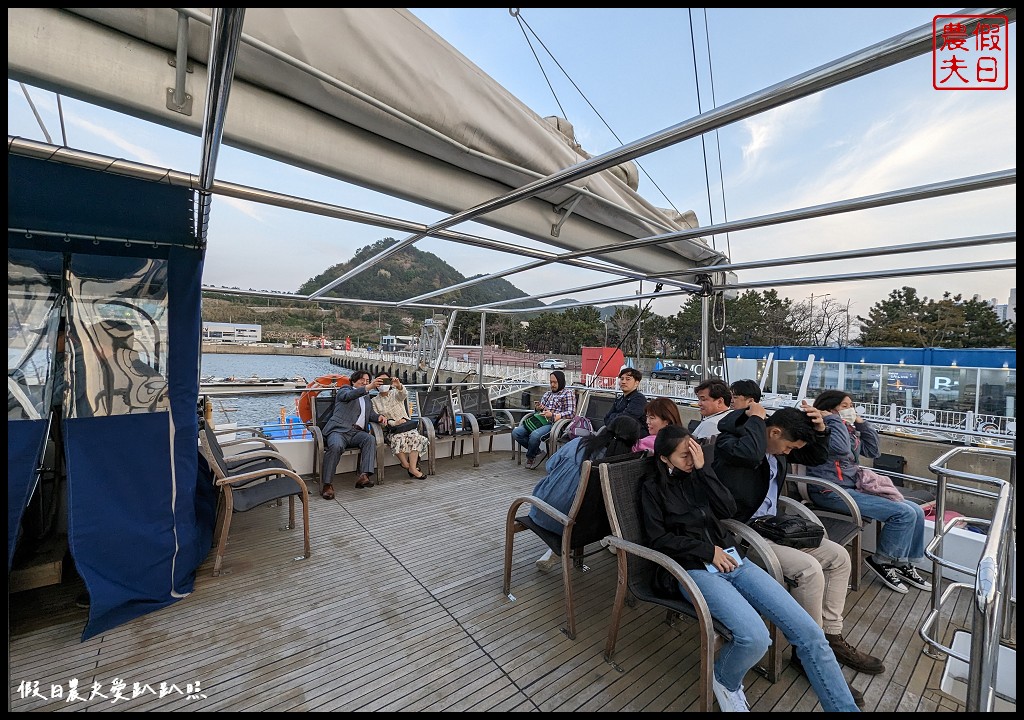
(25, 439)
(140, 504)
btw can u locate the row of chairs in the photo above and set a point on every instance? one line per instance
(606, 506)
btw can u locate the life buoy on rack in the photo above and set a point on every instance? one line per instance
(304, 405)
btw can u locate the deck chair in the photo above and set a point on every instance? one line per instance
(586, 523)
(483, 420)
(249, 479)
(437, 420)
(322, 406)
(620, 485)
(845, 529)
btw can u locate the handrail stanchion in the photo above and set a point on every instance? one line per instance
(993, 580)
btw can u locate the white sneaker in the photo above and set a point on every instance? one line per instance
(548, 560)
(729, 701)
(532, 463)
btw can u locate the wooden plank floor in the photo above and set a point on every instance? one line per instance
(400, 609)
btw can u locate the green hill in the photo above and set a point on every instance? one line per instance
(406, 273)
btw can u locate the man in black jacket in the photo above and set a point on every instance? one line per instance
(631, 402)
(751, 457)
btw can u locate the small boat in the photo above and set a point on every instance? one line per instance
(253, 382)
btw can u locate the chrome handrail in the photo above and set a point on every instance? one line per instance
(991, 620)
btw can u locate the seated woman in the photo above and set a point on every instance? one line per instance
(392, 401)
(901, 541)
(559, 486)
(660, 412)
(556, 404)
(682, 503)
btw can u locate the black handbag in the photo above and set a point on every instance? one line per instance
(790, 530)
(405, 427)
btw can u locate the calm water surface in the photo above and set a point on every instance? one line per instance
(245, 410)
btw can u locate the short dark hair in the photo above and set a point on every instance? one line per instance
(716, 388)
(357, 375)
(747, 388)
(794, 423)
(830, 399)
(632, 372)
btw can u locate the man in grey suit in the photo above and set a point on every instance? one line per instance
(346, 428)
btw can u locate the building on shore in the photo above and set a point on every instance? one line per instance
(232, 333)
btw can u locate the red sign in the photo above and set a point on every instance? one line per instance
(348, 343)
(970, 58)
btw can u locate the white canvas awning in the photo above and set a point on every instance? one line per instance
(370, 96)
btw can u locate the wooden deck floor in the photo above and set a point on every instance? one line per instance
(400, 609)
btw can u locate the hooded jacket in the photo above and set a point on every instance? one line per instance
(845, 445)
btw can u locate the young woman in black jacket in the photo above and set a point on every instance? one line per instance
(683, 503)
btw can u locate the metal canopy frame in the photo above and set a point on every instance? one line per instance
(225, 36)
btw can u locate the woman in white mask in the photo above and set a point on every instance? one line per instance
(901, 541)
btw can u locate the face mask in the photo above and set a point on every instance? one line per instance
(848, 414)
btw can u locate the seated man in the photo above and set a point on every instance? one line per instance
(713, 398)
(744, 394)
(346, 428)
(751, 457)
(631, 402)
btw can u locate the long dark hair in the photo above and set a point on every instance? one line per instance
(616, 438)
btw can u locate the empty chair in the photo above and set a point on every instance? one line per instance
(586, 523)
(250, 479)
(482, 419)
(437, 419)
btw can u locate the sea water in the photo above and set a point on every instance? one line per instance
(256, 410)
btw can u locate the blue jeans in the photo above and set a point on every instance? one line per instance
(735, 599)
(531, 440)
(901, 541)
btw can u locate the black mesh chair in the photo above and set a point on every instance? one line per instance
(586, 523)
(846, 529)
(620, 485)
(482, 420)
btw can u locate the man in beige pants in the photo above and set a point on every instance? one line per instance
(751, 457)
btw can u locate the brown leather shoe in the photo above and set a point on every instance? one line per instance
(364, 481)
(327, 492)
(851, 657)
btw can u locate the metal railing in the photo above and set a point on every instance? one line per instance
(992, 614)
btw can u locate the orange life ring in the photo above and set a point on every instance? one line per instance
(304, 405)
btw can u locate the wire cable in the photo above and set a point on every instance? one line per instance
(524, 26)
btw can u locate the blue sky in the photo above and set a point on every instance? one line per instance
(884, 132)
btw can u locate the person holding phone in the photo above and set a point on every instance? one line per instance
(402, 436)
(682, 505)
